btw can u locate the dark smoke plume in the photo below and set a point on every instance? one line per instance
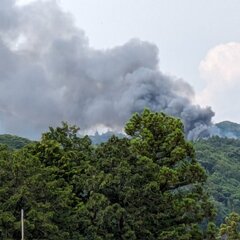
(49, 74)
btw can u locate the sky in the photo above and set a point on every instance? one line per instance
(118, 55)
(198, 41)
(189, 35)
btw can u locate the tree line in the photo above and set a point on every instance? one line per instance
(145, 186)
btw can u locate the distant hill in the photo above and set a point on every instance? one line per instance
(229, 129)
(221, 159)
(13, 142)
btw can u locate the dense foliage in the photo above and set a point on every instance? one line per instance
(230, 229)
(149, 186)
(221, 159)
(13, 142)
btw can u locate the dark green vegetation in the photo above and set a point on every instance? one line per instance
(221, 159)
(230, 229)
(147, 187)
(13, 142)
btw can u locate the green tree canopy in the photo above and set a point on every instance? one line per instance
(230, 229)
(145, 186)
(151, 185)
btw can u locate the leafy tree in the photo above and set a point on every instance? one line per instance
(45, 179)
(212, 232)
(150, 186)
(26, 184)
(147, 186)
(230, 229)
(70, 155)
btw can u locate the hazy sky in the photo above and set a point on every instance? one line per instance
(198, 40)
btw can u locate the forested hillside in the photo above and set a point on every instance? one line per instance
(13, 142)
(221, 159)
(229, 129)
(146, 186)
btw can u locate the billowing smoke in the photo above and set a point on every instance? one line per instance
(49, 74)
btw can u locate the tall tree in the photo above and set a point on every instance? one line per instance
(150, 185)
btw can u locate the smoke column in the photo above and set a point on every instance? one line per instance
(49, 74)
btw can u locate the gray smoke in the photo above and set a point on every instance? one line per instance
(49, 74)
